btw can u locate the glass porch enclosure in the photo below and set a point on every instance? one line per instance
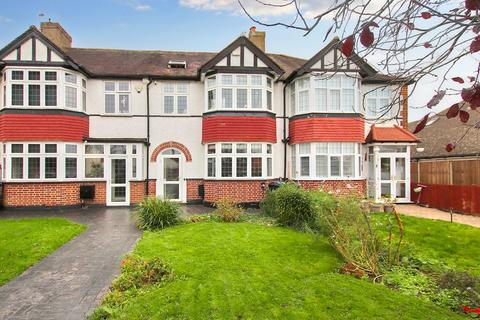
(389, 172)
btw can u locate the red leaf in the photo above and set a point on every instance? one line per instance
(472, 96)
(427, 45)
(464, 116)
(426, 15)
(475, 45)
(458, 79)
(366, 37)
(476, 28)
(453, 111)
(472, 4)
(421, 125)
(449, 147)
(371, 24)
(347, 46)
(436, 99)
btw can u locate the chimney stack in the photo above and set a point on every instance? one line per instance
(55, 33)
(257, 37)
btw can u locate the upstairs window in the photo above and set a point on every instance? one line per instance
(117, 97)
(239, 91)
(377, 102)
(175, 98)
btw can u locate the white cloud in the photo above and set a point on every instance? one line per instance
(135, 5)
(309, 8)
(142, 7)
(4, 19)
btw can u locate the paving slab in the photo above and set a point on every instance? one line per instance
(69, 283)
(435, 214)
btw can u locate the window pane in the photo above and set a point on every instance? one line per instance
(226, 167)
(227, 98)
(17, 94)
(242, 80)
(50, 168)
(256, 167)
(211, 149)
(227, 79)
(84, 101)
(292, 102)
(134, 167)
(304, 148)
(269, 148)
(304, 166)
(242, 98)
(303, 101)
(168, 87)
(33, 75)
(241, 148)
(94, 149)
(109, 103)
(242, 167)
(335, 166)
(50, 148)
(348, 166)
(182, 87)
(256, 148)
(71, 97)
(84, 83)
(269, 100)
(256, 80)
(256, 98)
(211, 167)
(348, 100)
(182, 104)
(17, 75)
(321, 148)
(118, 149)
(168, 104)
(348, 148)
(335, 100)
(71, 148)
(70, 78)
(211, 99)
(50, 76)
(269, 167)
(51, 95)
(17, 168)
(321, 99)
(17, 148)
(33, 168)
(212, 81)
(134, 149)
(322, 166)
(269, 82)
(124, 86)
(335, 148)
(110, 86)
(94, 168)
(371, 107)
(226, 148)
(34, 148)
(124, 103)
(70, 168)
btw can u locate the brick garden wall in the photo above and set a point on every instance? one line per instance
(242, 191)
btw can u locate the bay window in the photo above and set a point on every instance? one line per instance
(326, 160)
(239, 160)
(326, 93)
(239, 91)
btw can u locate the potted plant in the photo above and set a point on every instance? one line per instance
(388, 204)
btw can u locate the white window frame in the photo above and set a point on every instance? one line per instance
(377, 94)
(176, 93)
(218, 155)
(117, 92)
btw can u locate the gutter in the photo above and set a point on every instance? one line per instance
(148, 138)
(285, 139)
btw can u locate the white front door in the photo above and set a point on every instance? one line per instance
(118, 190)
(394, 177)
(170, 181)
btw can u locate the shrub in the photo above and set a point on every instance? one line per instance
(228, 210)
(269, 204)
(294, 207)
(154, 213)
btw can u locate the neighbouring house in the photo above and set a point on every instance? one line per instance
(108, 127)
(451, 179)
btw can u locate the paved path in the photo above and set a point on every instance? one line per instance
(70, 282)
(431, 213)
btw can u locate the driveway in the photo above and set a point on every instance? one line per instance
(70, 282)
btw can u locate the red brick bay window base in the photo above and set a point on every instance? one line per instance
(243, 191)
(341, 187)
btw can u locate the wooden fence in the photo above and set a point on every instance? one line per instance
(450, 184)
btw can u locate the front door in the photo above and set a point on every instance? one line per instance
(394, 177)
(118, 191)
(170, 184)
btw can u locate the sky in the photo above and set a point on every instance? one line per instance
(187, 25)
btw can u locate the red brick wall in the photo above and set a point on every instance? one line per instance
(239, 190)
(343, 187)
(192, 189)
(137, 191)
(49, 194)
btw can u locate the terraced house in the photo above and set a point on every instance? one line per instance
(108, 127)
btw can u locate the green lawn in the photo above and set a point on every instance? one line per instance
(23, 242)
(250, 271)
(453, 245)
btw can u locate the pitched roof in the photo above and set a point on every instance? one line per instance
(441, 131)
(390, 134)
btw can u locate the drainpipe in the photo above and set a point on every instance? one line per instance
(285, 139)
(148, 134)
